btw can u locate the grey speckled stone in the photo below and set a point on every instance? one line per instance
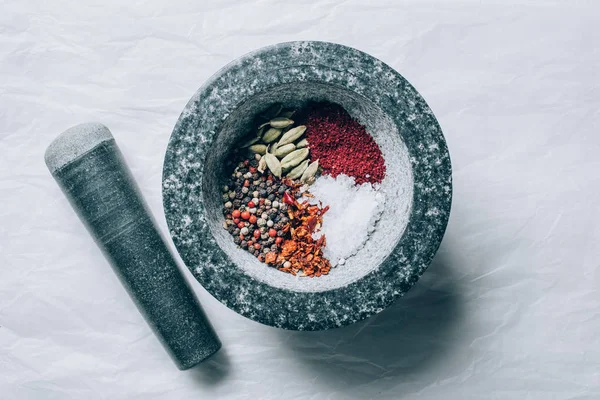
(418, 185)
(88, 166)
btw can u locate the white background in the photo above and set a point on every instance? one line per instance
(510, 308)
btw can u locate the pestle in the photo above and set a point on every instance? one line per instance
(89, 168)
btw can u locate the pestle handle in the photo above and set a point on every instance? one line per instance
(88, 166)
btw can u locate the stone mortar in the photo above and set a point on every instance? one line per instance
(417, 186)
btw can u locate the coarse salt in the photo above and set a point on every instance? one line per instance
(354, 211)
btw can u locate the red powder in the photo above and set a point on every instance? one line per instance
(342, 145)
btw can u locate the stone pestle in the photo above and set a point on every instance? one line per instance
(89, 168)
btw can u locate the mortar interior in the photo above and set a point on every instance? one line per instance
(397, 187)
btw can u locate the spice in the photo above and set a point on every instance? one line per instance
(341, 144)
(354, 212)
(275, 218)
(301, 254)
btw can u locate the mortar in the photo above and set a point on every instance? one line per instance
(417, 187)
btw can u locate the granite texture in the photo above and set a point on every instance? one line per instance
(418, 185)
(88, 166)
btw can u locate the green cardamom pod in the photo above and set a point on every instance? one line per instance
(291, 135)
(308, 176)
(258, 148)
(272, 111)
(298, 171)
(273, 164)
(262, 165)
(280, 122)
(250, 142)
(282, 151)
(286, 113)
(271, 135)
(294, 158)
(261, 131)
(302, 143)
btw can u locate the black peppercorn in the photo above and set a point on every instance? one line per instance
(237, 240)
(281, 190)
(244, 244)
(236, 231)
(262, 193)
(271, 196)
(237, 203)
(274, 247)
(280, 233)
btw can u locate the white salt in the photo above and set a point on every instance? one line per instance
(354, 210)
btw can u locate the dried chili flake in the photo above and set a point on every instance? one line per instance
(303, 253)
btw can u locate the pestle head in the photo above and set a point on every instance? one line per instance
(73, 143)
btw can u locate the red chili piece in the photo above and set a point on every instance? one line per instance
(287, 198)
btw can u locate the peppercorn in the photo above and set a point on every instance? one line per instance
(237, 203)
(244, 244)
(236, 213)
(274, 247)
(280, 233)
(237, 240)
(240, 225)
(257, 233)
(262, 192)
(279, 240)
(246, 200)
(236, 231)
(252, 219)
(245, 215)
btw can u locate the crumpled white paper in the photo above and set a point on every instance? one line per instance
(510, 308)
